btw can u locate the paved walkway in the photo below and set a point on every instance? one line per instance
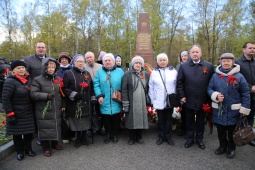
(147, 156)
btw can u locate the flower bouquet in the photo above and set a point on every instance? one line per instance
(152, 114)
(176, 117)
(78, 112)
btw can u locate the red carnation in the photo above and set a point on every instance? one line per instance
(84, 85)
(55, 81)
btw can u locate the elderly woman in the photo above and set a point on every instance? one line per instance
(230, 96)
(45, 92)
(134, 88)
(65, 63)
(163, 82)
(183, 57)
(78, 89)
(19, 110)
(108, 79)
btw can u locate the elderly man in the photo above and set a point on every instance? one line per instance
(192, 81)
(34, 63)
(247, 69)
(92, 67)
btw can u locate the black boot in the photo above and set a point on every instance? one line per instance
(77, 142)
(107, 138)
(138, 136)
(131, 137)
(84, 140)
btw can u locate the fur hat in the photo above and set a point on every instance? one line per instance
(17, 63)
(66, 55)
(109, 55)
(137, 59)
(227, 56)
(162, 56)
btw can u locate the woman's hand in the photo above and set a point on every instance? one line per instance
(100, 100)
(220, 97)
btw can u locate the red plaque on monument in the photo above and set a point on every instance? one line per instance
(143, 41)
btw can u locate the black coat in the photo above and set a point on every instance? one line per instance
(34, 65)
(16, 98)
(72, 80)
(247, 69)
(49, 127)
(192, 83)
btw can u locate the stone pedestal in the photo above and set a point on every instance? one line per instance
(143, 41)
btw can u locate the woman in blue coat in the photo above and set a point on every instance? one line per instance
(108, 79)
(230, 96)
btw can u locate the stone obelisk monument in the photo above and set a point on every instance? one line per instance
(143, 41)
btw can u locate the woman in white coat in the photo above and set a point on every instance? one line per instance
(162, 82)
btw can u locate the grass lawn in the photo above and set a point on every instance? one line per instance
(3, 139)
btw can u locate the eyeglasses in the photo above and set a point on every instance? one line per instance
(79, 61)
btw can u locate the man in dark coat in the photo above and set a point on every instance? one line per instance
(192, 81)
(4, 70)
(247, 69)
(34, 64)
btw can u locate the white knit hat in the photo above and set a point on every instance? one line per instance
(137, 59)
(109, 55)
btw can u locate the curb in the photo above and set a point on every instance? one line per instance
(6, 150)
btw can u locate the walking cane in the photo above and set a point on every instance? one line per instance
(93, 116)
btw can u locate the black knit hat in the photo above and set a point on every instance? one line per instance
(17, 63)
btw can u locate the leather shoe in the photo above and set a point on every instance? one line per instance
(220, 151)
(188, 143)
(106, 139)
(252, 143)
(115, 139)
(140, 141)
(131, 142)
(231, 153)
(20, 156)
(57, 147)
(47, 153)
(30, 153)
(170, 142)
(201, 144)
(159, 141)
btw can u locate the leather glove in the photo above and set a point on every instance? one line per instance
(50, 96)
(78, 96)
(126, 109)
(93, 99)
(10, 117)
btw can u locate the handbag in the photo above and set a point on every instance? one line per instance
(116, 96)
(243, 135)
(172, 100)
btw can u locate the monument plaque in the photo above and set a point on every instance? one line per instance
(143, 41)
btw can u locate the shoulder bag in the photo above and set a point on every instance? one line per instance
(172, 100)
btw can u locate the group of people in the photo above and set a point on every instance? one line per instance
(41, 92)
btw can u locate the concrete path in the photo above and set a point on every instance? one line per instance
(147, 156)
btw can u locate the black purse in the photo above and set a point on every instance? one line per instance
(172, 100)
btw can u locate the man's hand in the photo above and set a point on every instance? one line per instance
(183, 100)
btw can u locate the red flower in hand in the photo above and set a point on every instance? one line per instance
(55, 81)
(84, 85)
(207, 108)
